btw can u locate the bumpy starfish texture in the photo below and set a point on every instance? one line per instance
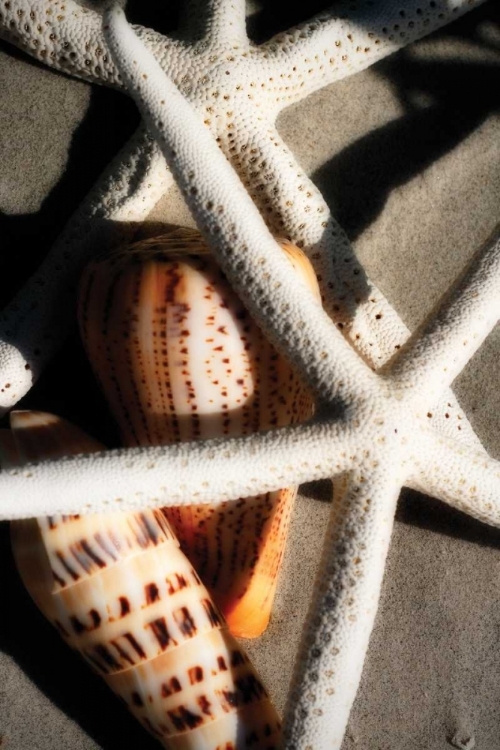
(373, 434)
(239, 90)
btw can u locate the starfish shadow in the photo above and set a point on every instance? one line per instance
(157, 14)
(415, 509)
(109, 121)
(444, 103)
(272, 16)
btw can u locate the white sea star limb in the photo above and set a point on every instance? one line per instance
(382, 441)
(239, 89)
(32, 327)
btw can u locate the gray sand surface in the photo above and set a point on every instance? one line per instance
(408, 156)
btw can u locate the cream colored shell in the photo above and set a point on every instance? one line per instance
(179, 358)
(143, 619)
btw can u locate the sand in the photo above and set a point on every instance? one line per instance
(408, 156)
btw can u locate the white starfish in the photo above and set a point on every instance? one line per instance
(373, 427)
(240, 90)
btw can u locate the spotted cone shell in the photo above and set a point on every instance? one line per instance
(122, 594)
(179, 358)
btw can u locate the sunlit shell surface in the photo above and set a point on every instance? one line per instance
(179, 358)
(122, 594)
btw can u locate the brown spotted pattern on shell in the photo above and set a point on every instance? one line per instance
(179, 358)
(142, 619)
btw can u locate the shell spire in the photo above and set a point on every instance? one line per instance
(179, 358)
(121, 593)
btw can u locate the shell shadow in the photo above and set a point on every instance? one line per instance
(67, 388)
(56, 670)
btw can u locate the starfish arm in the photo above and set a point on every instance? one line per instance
(342, 613)
(199, 472)
(350, 37)
(224, 212)
(292, 206)
(69, 39)
(466, 479)
(37, 320)
(441, 348)
(220, 23)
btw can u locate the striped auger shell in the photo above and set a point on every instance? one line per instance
(179, 358)
(121, 593)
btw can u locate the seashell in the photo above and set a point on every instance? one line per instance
(179, 358)
(133, 606)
